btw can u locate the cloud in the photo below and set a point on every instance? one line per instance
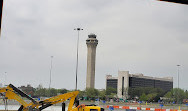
(146, 37)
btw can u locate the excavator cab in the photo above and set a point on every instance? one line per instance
(93, 108)
(87, 108)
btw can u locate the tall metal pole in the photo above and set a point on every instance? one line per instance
(50, 72)
(1, 11)
(178, 85)
(78, 29)
(5, 78)
(178, 75)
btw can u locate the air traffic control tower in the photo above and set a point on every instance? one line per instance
(91, 55)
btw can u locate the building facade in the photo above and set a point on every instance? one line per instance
(126, 80)
(111, 82)
(91, 58)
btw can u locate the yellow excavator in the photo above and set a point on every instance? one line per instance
(11, 92)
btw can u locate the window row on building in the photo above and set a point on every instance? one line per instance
(126, 80)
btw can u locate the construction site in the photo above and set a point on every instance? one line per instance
(81, 87)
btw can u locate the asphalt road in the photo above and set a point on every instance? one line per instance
(169, 106)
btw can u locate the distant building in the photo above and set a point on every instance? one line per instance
(111, 81)
(126, 80)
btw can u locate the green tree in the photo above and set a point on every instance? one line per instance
(40, 91)
(102, 94)
(178, 94)
(186, 94)
(110, 90)
(169, 96)
(154, 93)
(62, 91)
(143, 97)
(151, 96)
(91, 92)
(52, 92)
(135, 92)
(82, 93)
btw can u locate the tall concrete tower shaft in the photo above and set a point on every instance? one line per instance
(91, 56)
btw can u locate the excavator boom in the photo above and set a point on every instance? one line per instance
(59, 99)
(8, 93)
(11, 92)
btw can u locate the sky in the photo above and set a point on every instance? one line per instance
(139, 36)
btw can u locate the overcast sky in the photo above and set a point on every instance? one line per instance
(140, 36)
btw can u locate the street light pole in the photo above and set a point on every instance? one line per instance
(1, 11)
(178, 75)
(78, 29)
(5, 78)
(178, 84)
(50, 72)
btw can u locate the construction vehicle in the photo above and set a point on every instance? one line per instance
(11, 92)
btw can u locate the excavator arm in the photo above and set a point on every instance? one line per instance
(59, 99)
(8, 93)
(11, 92)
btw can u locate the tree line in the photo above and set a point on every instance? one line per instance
(175, 95)
(40, 91)
(146, 93)
(139, 93)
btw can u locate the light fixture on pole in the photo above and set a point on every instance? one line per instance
(50, 72)
(78, 29)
